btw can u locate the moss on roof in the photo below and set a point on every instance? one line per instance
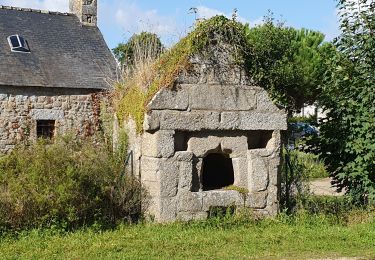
(133, 97)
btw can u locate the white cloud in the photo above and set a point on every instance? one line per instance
(52, 5)
(206, 12)
(131, 17)
(126, 18)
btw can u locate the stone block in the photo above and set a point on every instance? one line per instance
(257, 200)
(236, 146)
(151, 121)
(252, 120)
(272, 201)
(190, 201)
(229, 120)
(223, 198)
(274, 164)
(170, 99)
(240, 170)
(168, 209)
(184, 156)
(185, 176)
(159, 144)
(200, 145)
(189, 121)
(47, 114)
(264, 102)
(152, 187)
(189, 216)
(258, 178)
(192, 75)
(168, 177)
(222, 98)
(150, 168)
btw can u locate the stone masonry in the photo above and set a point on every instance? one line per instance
(74, 110)
(214, 109)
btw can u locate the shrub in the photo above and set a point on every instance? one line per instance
(347, 133)
(297, 168)
(68, 183)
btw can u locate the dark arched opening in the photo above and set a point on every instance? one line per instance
(217, 172)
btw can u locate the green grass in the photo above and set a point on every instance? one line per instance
(300, 238)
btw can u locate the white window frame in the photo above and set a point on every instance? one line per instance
(25, 46)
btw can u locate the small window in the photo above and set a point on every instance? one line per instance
(45, 129)
(18, 43)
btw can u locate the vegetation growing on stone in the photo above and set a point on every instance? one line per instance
(288, 63)
(138, 88)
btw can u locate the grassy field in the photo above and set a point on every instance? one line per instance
(301, 238)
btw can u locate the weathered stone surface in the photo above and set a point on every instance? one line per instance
(20, 108)
(200, 145)
(153, 187)
(47, 114)
(214, 109)
(184, 156)
(170, 99)
(272, 201)
(222, 98)
(262, 121)
(240, 172)
(186, 176)
(189, 121)
(152, 121)
(229, 120)
(168, 209)
(258, 177)
(134, 146)
(264, 103)
(274, 165)
(190, 201)
(188, 216)
(168, 176)
(221, 198)
(158, 144)
(150, 168)
(257, 200)
(236, 146)
(203, 143)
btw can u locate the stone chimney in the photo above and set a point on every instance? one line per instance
(86, 10)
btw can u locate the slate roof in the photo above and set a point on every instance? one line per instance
(64, 53)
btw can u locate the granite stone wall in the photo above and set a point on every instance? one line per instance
(74, 110)
(213, 108)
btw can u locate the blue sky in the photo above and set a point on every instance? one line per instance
(170, 19)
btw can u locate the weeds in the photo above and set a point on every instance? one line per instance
(67, 184)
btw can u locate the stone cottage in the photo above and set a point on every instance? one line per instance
(53, 69)
(213, 130)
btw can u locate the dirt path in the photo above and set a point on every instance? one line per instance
(324, 187)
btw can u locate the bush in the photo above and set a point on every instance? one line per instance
(68, 183)
(347, 133)
(297, 169)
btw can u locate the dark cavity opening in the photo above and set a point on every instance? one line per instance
(45, 129)
(217, 172)
(180, 141)
(258, 139)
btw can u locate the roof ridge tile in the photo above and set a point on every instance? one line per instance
(5, 7)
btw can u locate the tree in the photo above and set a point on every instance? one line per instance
(140, 47)
(288, 62)
(347, 139)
